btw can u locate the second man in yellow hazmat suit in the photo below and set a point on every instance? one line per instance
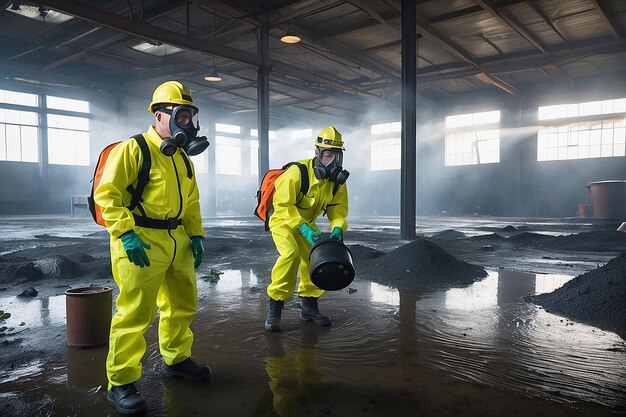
(293, 225)
(156, 241)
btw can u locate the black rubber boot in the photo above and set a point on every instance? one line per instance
(310, 312)
(187, 369)
(272, 323)
(126, 399)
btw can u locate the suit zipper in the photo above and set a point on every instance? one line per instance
(180, 197)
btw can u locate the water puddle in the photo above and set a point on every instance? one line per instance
(27, 312)
(478, 350)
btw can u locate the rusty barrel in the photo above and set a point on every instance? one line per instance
(608, 198)
(88, 314)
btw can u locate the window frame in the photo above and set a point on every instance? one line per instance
(559, 138)
(386, 146)
(470, 151)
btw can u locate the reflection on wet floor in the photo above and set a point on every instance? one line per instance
(479, 350)
(34, 312)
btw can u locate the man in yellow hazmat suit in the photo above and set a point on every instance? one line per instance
(156, 241)
(293, 227)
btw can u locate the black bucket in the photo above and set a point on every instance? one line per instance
(331, 265)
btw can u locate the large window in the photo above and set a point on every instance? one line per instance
(228, 149)
(18, 136)
(61, 103)
(386, 149)
(228, 155)
(200, 163)
(18, 128)
(68, 140)
(254, 149)
(15, 97)
(302, 133)
(473, 138)
(224, 128)
(68, 135)
(255, 133)
(585, 130)
(254, 157)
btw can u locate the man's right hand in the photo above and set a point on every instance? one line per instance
(310, 234)
(134, 247)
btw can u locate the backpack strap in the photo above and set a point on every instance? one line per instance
(304, 188)
(187, 164)
(143, 177)
(304, 177)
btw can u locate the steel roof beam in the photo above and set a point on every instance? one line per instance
(520, 63)
(512, 23)
(5, 5)
(150, 16)
(557, 75)
(607, 18)
(545, 19)
(104, 18)
(431, 34)
(83, 29)
(299, 9)
(331, 50)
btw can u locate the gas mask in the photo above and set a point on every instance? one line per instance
(333, 170)
(184, 129)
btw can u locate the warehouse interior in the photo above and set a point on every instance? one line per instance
(516, 163)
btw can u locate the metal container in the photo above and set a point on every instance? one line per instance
(88, 314)
(608, 198)
(331, 265)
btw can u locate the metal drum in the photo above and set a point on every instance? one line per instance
(331, 265)
(88, 315)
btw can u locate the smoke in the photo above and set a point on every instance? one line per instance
(462, 190)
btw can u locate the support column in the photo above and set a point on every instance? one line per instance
(211, 198)
(409, 103)
(263, 98)
(44, 187)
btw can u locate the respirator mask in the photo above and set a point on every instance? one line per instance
(184, 129)
(333, 170)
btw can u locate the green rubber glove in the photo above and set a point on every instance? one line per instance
(309, 233)
(337, 233)
(134, 247)
(197, 249)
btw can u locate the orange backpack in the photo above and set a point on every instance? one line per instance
(264, 196)
(136, 192)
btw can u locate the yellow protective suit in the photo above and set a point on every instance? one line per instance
(290, 211)
(295, 379)
(169, 283)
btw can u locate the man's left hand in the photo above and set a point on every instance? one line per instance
(337, 233)
(197, 249)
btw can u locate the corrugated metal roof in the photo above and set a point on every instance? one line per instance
(350, 54)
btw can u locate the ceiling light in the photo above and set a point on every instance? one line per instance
(290, 37)
(156, 48)
(213, 75)
(39, 13)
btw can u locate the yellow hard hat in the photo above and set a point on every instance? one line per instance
(329, 138)
(171, 92)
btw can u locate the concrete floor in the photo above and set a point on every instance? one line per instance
(475, 350)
